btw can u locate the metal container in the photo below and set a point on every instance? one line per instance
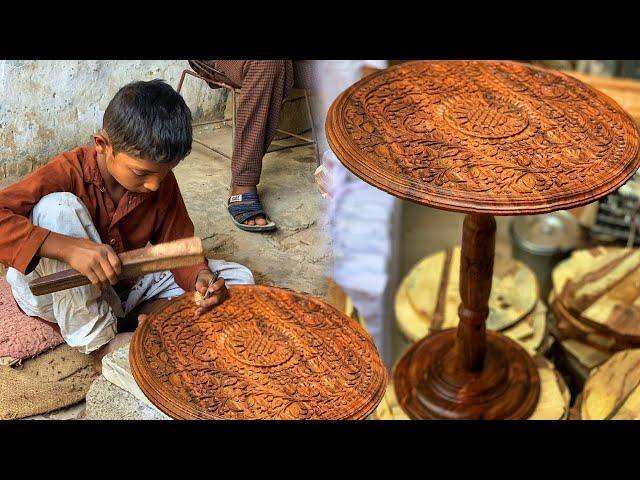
(542, 241)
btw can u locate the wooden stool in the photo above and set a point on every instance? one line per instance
(481, 138)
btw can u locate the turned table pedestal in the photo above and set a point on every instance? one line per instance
(481, 138)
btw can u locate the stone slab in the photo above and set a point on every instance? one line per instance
(106, 401)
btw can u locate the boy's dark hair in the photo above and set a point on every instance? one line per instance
(149, 120)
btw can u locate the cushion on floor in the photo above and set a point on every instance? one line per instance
(21, 336)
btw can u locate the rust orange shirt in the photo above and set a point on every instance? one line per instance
(156, 217)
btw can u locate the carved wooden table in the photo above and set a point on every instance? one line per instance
(481, 138)
(264, 353)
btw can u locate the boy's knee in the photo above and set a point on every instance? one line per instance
(53, 210)
(244, 275)
(233, 273)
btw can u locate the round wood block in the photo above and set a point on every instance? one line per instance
(598, 288)
(432, 288)
(570, 327)
(264, 353)
(612, 391)
(484, 137)
(530, 331)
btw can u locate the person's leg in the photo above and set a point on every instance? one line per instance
(265, 83)
(86, 315)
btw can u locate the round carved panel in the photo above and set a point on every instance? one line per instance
(493, 137)
(264, 353)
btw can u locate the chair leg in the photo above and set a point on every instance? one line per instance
(313, 128)
(222, 85)
(184, 72)
(234, 111)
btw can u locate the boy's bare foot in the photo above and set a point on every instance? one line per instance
(237, 190)
(133, 318)
(118, 341)
(139, 314)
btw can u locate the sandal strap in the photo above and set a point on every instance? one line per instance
(244, 197)
(244, 206)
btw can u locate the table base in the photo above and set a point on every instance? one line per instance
(429, 385)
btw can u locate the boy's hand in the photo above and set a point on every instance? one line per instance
(218, 291)
(98, 262)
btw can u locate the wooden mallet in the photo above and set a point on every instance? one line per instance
(164, 256)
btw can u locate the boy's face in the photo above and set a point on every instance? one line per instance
(134, 174)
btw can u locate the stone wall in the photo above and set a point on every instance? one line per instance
(49, 106)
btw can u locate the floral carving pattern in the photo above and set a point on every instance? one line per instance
(265, 353)
(485, 131)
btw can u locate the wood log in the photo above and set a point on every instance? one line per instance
(555, 397)
(570, 327)
(596, 291)
(531, 331)
(585, 354)
(582, 262)
(612, 391)
(165, 256)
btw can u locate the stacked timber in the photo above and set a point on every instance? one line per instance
(595, 306)
(612, 391)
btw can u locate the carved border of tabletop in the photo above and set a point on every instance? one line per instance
(368, 166)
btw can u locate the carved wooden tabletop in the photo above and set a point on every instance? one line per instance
(265, 353)
(493, 137)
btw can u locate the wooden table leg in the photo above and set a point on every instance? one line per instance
(469, 373)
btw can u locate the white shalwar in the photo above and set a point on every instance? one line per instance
(87, 315)
(364, 222)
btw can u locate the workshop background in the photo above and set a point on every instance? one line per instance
(49, 106)
(375, 241)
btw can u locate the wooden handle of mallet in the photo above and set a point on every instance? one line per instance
(164, 256)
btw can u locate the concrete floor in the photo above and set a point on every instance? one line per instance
(297, 253)
(428, 230)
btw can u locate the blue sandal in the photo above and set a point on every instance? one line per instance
(244, 206)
